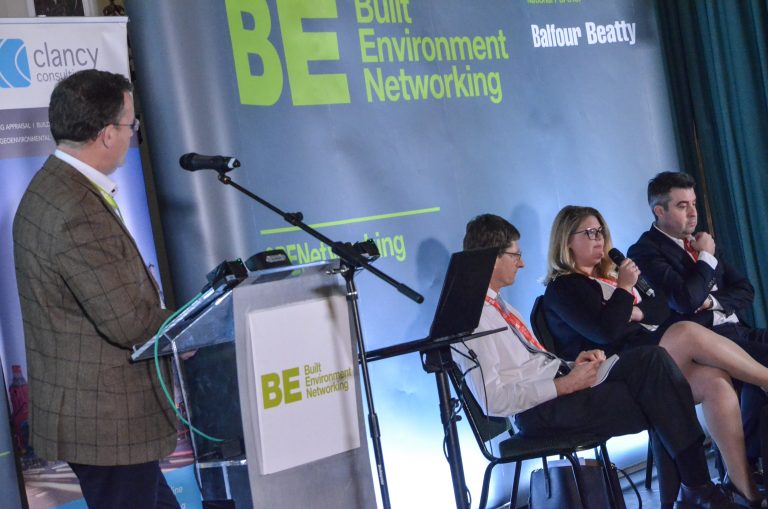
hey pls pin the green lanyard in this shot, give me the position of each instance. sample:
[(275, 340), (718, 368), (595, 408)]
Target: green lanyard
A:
[(109, 199)]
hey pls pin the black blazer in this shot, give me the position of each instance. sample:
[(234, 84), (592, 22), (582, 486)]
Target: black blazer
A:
[(685, 284), (580, 319)]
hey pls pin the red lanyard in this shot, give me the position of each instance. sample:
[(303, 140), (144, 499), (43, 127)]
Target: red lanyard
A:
[(613, 283), (515, 322)]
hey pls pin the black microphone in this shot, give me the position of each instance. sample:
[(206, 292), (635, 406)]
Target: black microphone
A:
[(642, 285), (194, 162)]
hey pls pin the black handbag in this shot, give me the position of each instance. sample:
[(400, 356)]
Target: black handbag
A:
[(559, 491)]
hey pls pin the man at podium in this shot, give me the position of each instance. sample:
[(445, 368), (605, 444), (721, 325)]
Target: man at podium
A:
[(86, 298)]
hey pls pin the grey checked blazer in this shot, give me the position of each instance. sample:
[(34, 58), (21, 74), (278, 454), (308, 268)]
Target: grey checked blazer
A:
[(86, 297)]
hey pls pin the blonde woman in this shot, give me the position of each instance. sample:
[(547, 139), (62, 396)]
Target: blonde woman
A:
[(590, 303)]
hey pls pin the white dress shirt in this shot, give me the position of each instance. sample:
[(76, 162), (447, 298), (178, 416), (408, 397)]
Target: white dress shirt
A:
[(510, 379), (105, 183)]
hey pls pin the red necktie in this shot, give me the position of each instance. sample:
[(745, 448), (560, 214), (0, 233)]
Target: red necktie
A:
[(689, 248), (515, 322)]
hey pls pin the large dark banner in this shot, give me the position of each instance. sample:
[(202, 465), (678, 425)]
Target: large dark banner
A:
[(399, 121)]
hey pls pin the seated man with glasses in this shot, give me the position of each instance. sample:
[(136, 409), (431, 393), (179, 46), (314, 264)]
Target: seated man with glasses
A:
[(590, 303), (511, 374)]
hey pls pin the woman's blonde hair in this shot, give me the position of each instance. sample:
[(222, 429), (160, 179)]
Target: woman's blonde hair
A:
[(560, 259)]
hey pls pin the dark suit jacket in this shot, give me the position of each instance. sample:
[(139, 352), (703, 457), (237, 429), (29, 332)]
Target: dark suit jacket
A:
[(580, 319), (684, 283), (86, 298)]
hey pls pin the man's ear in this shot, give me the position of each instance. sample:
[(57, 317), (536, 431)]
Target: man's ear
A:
[(107, 135), (657, 211)]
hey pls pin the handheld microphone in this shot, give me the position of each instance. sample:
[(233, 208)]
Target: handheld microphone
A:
[(194, 162), (642, 285)]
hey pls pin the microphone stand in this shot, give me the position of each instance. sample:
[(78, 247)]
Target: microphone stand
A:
[(351, 261)]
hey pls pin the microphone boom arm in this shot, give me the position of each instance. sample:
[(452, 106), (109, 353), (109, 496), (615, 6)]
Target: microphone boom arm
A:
[(341, 249)]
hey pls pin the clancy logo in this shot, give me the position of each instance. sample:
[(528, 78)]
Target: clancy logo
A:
[(14, 64)]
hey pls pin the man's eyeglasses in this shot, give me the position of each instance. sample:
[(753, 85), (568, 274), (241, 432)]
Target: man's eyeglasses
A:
[(592, 233), (518, 255), (133, 125)]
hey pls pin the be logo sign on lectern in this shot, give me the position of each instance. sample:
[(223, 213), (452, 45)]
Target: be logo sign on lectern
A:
[(298, 384)]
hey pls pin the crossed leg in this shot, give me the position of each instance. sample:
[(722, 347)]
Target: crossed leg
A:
[(708, 362)]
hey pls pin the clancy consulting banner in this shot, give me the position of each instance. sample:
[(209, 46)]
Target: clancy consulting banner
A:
[(35, 54)]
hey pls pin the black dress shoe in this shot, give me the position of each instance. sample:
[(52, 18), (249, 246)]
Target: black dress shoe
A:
[(706, 496)]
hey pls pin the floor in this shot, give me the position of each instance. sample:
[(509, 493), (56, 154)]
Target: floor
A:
[(650, 497)]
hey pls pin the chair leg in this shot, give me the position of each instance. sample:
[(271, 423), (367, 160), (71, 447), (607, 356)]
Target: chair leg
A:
[(614, 489), (764, 440), (579, 479), (649, 466), (515, 485), (719, 464), (486, 484), (547, 480)]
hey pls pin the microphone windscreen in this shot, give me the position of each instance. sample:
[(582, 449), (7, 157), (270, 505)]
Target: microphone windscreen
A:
[(185, 161), (616, 256)]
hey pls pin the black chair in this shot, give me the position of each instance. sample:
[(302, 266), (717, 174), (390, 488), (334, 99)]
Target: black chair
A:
[(516, 448), (539, 326)]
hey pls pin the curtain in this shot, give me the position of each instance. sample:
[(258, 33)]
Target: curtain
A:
[(716, 55)]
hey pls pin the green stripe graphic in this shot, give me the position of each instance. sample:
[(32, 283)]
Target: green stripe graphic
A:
[(354, 220)]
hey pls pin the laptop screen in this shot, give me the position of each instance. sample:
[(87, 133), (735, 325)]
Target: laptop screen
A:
[(463, 294)]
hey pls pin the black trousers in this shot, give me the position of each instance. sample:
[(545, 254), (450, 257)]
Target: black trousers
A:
[(645, 389), (125, 486), (753, 398)]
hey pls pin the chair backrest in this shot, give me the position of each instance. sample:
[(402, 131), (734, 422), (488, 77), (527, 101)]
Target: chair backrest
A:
[(484, 427), (539, 325)]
